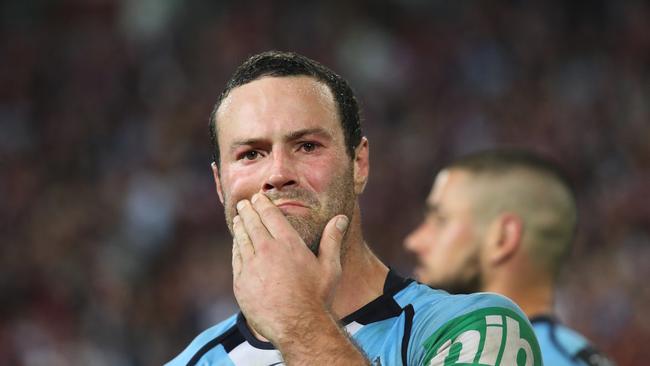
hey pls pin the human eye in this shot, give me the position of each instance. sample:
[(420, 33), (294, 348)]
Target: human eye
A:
[(249, 155), (440, 219), (436, 218), (309, 146)]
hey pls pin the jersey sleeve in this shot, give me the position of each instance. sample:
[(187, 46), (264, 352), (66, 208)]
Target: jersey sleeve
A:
[(202, 340), (479, 335), (576, 349)]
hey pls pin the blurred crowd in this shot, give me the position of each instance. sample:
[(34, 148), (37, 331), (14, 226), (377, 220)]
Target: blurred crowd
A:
[(113, 246)]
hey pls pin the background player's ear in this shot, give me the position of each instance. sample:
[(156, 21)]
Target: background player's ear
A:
[(217, 180), (507, 239)]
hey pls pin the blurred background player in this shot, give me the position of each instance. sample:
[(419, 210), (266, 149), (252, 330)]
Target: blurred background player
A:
[(503, 221)]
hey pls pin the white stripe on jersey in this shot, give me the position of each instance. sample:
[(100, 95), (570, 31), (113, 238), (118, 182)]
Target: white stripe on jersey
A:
[(245, 354), (353, 327)]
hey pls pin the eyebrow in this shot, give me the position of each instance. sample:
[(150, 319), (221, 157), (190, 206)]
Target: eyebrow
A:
[(292, 136), (296, 135)]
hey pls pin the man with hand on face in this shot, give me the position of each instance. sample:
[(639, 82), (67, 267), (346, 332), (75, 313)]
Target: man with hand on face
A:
[(290, 162), (503, 221)]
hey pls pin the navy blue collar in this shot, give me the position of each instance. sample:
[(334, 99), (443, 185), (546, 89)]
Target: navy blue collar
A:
[(381, 308)]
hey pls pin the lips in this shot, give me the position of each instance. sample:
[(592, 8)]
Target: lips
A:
[(289, 204)]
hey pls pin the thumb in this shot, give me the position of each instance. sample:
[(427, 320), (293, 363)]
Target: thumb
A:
[(330, 243)]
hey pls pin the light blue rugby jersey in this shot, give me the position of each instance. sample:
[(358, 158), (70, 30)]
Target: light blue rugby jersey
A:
[(561, 346), (409, 324)]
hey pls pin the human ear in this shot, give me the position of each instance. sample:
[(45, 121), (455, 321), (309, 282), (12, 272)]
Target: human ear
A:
[(217, 181), (361, 165), (506, 238)]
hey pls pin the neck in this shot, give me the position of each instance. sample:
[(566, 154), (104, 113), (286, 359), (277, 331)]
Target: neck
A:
[(533, 295), (363, 276)]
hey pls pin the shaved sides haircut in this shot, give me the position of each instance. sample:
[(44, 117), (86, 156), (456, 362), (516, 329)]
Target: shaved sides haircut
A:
[(532, 187)]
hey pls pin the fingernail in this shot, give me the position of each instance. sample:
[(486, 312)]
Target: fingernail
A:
[(241, 204), (256, 196), (342, 223), (235, 219)]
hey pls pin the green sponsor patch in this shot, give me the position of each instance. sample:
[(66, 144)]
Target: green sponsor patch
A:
[(487, 337)]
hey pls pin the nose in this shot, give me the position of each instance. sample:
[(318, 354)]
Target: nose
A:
[(413, 241), (409, 242), (281, 175)]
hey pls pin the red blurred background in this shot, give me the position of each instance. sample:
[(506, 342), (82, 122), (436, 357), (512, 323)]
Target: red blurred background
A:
[(113, 244)]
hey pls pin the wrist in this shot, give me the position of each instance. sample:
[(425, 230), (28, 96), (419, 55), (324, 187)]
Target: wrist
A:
[(305, 326), (316, 337)]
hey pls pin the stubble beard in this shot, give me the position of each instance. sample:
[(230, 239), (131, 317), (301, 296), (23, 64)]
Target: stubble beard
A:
[(468, 281), (339, 199)]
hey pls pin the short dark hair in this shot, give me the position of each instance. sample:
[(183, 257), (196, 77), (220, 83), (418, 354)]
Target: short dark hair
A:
[(280, 64)]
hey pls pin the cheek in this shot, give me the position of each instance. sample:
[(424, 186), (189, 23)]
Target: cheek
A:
[(317, 175), (454, 242), (238, 184), (458, 235)]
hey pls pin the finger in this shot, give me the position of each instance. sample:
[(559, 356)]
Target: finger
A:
[(236, 259), (272, 218), (330, 243), (252, 223), (244, 243)]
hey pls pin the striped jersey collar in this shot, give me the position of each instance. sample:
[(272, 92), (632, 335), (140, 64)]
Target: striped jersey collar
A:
[(381, 308)]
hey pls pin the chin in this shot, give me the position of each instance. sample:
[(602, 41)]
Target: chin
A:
[(309, 233)]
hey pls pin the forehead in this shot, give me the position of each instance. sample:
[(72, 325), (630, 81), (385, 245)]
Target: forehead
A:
[(451, 187), (273, 104)]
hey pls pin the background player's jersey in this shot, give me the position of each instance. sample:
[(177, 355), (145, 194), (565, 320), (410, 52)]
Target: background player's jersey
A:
[(409, 324), (562, 346)]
